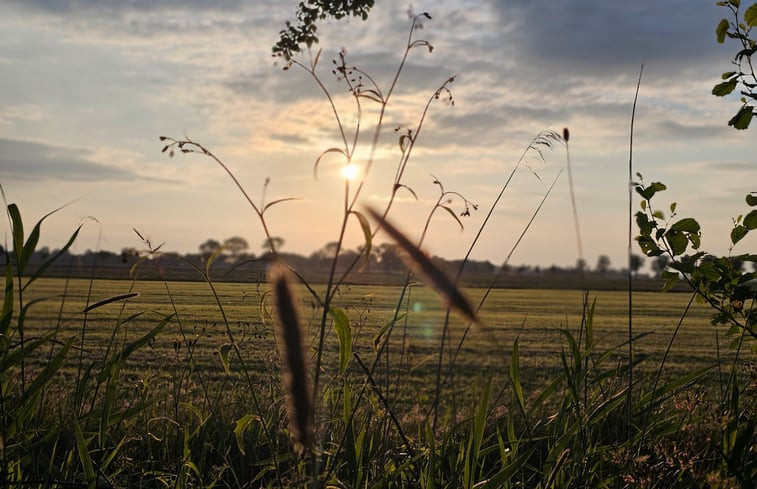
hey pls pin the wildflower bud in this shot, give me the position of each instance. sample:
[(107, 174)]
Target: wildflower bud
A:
[(565, 134)]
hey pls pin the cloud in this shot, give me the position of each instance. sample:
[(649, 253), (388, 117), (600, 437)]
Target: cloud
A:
[(34, 161), (79, 6), (606, 38)]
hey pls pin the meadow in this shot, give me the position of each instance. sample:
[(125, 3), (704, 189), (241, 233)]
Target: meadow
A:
[(534, 316), (160, 399), (286, 383)]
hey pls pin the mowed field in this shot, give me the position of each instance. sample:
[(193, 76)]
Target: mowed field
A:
[(206, 320)]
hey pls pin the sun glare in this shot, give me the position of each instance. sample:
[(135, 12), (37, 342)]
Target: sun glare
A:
[(350, 171)]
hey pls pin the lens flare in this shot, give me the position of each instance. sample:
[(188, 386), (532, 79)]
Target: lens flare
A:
[(350, 171)]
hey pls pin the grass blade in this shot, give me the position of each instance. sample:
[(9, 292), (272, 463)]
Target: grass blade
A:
[(84, 457), (344, 333)]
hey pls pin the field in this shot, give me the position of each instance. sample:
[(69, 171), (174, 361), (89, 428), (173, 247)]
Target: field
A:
[(536, 317), (183, 384), (407, 369)]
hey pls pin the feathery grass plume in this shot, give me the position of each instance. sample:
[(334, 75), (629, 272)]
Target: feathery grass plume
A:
[(295, 374), (417, 261)]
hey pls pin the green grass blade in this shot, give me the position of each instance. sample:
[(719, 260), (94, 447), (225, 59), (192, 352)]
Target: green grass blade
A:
[(139, 343), (41, 269), (344, 333), (84, 457), (367, 237), (7, 314), (479, 420), (241, 426), (515, 377), (18, 236)]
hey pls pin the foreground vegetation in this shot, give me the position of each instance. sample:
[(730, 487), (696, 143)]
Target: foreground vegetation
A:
[(147, 391), (288, 383)]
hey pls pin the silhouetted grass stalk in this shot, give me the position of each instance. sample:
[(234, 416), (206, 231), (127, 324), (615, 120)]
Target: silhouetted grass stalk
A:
[(629, 401)]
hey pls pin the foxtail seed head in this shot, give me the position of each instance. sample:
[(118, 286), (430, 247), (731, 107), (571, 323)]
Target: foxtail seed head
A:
[(296, 383)]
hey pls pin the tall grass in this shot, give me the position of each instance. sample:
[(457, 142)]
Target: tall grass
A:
[(325, 408)]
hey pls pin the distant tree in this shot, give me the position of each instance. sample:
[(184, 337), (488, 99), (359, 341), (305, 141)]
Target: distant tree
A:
[(274, 243), (209, 247), (659, 264), (636, 262), (603, 264), (328, 252), (581, 265), (236, 245), (390, 257), (373, 258), (44, 252), (128, 254)]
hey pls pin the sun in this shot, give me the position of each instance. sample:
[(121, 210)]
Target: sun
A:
[(350, 171)]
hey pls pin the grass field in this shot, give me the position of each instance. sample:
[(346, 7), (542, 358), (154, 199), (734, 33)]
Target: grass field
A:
[(180, 384), (536, 317)]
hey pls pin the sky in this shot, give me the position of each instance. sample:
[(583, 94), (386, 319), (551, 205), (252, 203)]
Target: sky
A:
[(87, 88)]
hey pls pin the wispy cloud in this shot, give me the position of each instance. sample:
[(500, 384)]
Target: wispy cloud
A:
[(29, 160)]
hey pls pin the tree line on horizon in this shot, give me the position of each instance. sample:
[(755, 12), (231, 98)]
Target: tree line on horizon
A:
[(385, 258)]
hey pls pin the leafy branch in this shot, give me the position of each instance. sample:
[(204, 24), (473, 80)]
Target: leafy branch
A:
[(743, 77), (718, 281)]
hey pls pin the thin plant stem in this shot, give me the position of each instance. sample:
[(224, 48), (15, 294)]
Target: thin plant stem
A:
[(629, 398)]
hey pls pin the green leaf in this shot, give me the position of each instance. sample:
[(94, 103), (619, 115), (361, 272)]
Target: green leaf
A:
[(241, 426), (721, 30), (367, 236), (84, 457), (648, 192), (479, 421), (742, 118), (41, 269), (669, 284), (735, 3), (671, 278), (677, 241), (224, 351), (728, 74), (515, 376), (42, 380), (646, 226), (142, 341), (687, 225), (738, 233), (750, 221), (724, 88), (750, 16), (18, 235), (708, 271), (751, 199), (695, 240), (648, 246), (385, 328), (344, 333)]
